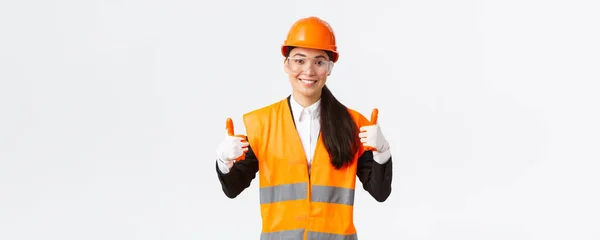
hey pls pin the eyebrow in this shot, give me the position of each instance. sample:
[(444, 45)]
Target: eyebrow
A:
[(299, 54), (302, 55)]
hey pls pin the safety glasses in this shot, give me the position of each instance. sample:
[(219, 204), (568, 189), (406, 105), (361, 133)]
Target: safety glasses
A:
[(302, 64)]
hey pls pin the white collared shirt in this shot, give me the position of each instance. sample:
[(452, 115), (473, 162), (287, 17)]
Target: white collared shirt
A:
[(308, 126)]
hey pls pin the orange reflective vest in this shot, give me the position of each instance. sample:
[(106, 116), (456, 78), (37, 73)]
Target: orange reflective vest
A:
[(294, 205)]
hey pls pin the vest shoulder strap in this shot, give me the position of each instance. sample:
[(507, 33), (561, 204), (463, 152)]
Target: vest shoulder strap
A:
[(359, 119), (256, 120)]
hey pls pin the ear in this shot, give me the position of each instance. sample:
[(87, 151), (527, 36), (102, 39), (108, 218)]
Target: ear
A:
[(330, 69), (285, 68)]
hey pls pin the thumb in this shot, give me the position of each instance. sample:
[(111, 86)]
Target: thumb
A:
[(374, 116), (229, 126)]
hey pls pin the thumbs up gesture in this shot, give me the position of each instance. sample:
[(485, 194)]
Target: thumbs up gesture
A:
[(233, 147), (371, 136)]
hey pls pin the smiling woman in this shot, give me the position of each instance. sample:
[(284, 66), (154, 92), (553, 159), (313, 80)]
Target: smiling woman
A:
[(308, 148), (308, 70)]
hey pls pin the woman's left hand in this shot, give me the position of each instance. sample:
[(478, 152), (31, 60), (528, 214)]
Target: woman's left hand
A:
[(371, 136), (372, 139)]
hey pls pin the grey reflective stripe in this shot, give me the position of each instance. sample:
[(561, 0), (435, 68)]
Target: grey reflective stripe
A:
[(332, 195), (297, 234), (295, 191), (330, 236)]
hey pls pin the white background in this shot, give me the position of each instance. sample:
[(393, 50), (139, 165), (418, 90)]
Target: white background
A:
[(111, 112)]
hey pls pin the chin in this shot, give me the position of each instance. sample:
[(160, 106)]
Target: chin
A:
[(309, 92)]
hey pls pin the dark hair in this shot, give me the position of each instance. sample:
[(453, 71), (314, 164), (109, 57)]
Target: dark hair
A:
[(338, 130)]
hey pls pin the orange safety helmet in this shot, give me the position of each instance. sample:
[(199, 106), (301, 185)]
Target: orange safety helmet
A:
[(311, 32)]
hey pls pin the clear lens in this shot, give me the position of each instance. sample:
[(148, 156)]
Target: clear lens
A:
[(301, 64)]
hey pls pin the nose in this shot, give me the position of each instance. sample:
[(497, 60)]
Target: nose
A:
[(310, 70)]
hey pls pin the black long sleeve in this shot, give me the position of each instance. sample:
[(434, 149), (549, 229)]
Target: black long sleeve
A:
[(376, 178), (239, 176)]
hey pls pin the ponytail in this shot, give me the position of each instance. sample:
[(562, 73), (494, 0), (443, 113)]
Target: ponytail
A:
[(339, 131)]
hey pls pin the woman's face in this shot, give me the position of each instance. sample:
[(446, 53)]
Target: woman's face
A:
[(308, 70)]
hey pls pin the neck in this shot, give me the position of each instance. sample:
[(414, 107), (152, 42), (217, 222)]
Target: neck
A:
[(306, 101)]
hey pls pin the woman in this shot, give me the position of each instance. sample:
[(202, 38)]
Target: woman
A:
[(308, 148)]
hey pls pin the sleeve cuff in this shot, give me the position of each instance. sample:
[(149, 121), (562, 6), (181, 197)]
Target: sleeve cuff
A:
[(382, 157), (224, 167)]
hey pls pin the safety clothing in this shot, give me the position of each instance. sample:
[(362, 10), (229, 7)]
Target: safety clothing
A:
[(293, 204), (311, 32)]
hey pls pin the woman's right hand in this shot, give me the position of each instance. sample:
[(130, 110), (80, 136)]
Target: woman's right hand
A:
[(232, 147)]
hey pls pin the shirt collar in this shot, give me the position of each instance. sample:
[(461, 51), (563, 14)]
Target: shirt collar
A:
[(300, 112)]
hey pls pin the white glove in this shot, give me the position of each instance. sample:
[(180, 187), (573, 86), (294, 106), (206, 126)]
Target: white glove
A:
[(229, 150), (371, 136)]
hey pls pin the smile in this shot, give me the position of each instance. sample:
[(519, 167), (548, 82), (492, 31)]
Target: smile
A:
[(307, 82)]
